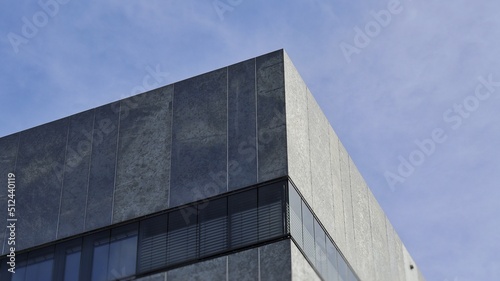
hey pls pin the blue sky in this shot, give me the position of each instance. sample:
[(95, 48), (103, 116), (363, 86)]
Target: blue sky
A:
[(412, 77)]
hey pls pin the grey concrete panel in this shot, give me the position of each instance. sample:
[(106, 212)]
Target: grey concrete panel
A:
[(379, 241), (399, 257), (350, 246), (8, 154), (338, 234), (275, 261), (156, 277), (244, 266), (271, 128), (199, 138), (39, 177), (411, 274), (143, 160), (364, 264), (301, 268), (102, 166), (76, 175), (394, 253), (320, 165), (242, 123), (214, 269), (297, 130)]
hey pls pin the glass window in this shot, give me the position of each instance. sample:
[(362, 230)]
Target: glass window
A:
[(243, 218), (308, 231), (332, 266), (213, 227), (320, 244), (295, 211), (182, 242), (122, 252), (40, 266), (153, 243), (342, 268), (72, 257), (100, 260), (21, 265), (270, 211)]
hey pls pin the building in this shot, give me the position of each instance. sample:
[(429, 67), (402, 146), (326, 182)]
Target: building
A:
[(234, 174)]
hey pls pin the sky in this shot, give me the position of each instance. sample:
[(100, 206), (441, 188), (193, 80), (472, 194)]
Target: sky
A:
[(412, 88)]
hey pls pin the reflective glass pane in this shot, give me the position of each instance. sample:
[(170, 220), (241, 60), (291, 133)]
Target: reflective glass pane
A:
[(332, 261), (153, 243), (308, 231), (295, 205), (243, 219), (270, 211), (122, 254), (182, 240), (320, 244), (20, 270), (40, 268), (342, 268), (72, 265), (100, 260), (213, 227)]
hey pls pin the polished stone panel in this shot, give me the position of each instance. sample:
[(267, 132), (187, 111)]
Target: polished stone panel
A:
[(271, 128), (199, 138), (275, 261), (362, 225), (8, 154), (102, 166), (76, 175), (244, 266), (39, 179), (297, 129), (242, 123), (214, 269), (143, 161), (321, 177)]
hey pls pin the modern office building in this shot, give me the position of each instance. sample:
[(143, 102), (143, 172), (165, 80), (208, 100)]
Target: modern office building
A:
[(235, 174)]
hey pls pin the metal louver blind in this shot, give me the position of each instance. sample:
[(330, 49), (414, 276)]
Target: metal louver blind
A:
[(270, 211), (213, 227), (243, 218), (182, 238), (153, 243)]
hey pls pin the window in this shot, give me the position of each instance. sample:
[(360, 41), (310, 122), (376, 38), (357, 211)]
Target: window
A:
[(308, 231), (153, 243), (182, 241), (67, 260), (270, 211), (295, 210), (320, 245), (122, 252), (243, 218), (342, 268), (331, 252), (213, 227)]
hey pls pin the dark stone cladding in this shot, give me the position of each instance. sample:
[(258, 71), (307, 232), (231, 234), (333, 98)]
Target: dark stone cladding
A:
[(194, 139)]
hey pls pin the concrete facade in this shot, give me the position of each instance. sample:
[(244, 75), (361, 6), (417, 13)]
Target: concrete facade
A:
[(230, 128)]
